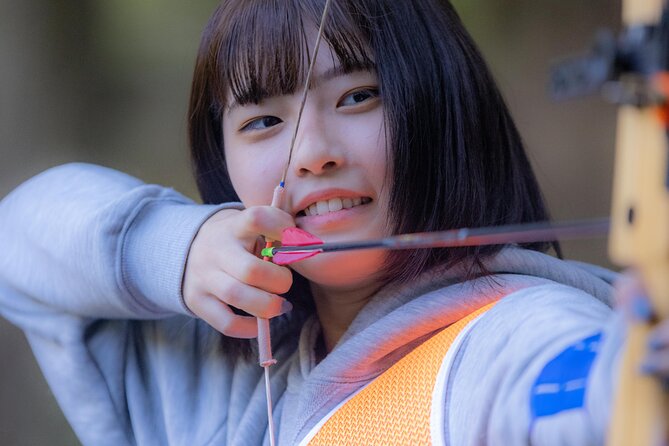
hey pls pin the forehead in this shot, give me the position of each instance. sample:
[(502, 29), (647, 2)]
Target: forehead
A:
[(263, 48)]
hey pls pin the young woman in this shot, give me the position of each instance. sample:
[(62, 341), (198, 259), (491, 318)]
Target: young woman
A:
[(137, 302)]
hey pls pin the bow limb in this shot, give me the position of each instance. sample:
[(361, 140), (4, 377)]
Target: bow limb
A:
[(640, 239)]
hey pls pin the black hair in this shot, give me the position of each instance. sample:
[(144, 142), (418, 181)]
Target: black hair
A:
[(455, 156)]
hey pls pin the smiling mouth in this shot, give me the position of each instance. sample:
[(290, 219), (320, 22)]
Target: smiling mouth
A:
[(332, 205)]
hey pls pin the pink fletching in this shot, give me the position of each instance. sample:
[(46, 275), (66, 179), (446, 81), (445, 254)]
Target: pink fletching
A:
[(298, 237), (286, 258)]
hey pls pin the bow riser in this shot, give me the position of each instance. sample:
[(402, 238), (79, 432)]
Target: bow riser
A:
[(640, 239)]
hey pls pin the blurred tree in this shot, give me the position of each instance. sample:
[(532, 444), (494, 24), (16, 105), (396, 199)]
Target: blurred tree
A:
[(95, 81)]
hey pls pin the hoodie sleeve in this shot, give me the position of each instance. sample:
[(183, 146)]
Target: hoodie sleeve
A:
[(91, 268), (90, 241), (539, 369)]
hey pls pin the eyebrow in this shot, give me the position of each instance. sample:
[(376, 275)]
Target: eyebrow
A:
[(331, 73), (317, 78)]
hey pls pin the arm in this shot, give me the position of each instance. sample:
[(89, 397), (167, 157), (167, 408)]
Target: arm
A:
[(86, 249), (90, 241), (82, 247), (537, 369)]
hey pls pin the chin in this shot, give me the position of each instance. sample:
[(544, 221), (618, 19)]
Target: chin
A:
[(343, 270)]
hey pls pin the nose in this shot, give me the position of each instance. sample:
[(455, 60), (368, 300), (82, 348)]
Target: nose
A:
[(317, 150)]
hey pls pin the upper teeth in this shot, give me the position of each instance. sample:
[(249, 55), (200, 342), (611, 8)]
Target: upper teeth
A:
[(333, 205)]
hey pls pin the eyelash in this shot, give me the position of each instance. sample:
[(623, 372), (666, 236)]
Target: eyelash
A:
[(249, 126), (372, 93)]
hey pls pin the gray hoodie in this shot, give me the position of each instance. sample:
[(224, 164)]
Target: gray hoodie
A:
[(91, 270)]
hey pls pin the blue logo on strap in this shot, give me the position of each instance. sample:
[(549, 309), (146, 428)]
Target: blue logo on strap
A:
[(562, 382)]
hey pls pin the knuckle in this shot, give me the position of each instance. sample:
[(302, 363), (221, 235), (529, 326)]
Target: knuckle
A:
[(225, 325), (231, 295), (194, 304), (224, 287), (286, 220), (254, 218), (284, 281), (190, 300), (252, 271)]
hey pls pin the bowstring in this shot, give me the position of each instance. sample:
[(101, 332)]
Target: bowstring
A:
[(305, 92), (282, 184)]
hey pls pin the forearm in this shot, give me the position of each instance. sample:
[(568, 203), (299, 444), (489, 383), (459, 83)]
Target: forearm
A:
[(94, 242)]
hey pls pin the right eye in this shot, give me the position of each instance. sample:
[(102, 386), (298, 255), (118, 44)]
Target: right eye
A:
[(262, 123)]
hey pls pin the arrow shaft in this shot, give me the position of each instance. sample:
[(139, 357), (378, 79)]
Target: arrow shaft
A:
[(519, 233)]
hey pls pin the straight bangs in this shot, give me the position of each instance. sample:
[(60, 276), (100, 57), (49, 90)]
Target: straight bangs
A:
[(263, 47)]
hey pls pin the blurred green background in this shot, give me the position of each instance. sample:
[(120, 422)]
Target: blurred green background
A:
[(107, 82)]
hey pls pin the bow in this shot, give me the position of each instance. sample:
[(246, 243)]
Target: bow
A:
[(640, 228), (637, 63)]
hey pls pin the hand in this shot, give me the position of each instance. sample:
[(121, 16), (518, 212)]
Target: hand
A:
[(223, 270), (633, 300)]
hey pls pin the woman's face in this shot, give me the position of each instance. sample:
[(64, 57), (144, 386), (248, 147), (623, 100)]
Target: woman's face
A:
[(336, 184)]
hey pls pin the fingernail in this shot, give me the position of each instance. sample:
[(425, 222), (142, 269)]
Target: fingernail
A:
[(641, 308), (286, 306), (647, 368), (655, 344)]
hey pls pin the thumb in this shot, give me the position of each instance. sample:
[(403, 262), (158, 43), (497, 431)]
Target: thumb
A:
[(632, 299)]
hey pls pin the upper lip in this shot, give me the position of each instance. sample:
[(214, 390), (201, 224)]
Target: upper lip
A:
[(323, 195)]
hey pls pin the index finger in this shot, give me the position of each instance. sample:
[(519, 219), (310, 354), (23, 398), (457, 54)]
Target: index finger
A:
[(264, 220)]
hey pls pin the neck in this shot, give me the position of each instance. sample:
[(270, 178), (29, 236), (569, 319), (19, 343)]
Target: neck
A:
[(336, 309)]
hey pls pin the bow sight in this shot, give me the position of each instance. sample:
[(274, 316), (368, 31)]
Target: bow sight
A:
[(622, 69)]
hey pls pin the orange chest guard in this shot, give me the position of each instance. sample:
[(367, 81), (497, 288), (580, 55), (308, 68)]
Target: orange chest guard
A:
[(403, 405)]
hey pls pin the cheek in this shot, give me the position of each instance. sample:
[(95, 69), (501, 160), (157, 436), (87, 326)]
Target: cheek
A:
[(376, 162), (254, 179), (367, 139), (343, 270), (253, 176)]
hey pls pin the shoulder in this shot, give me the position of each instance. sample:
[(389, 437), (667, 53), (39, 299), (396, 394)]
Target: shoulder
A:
[(546, 305), (508, 348), (533, 325)]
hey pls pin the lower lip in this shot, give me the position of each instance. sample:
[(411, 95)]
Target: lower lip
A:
[(331, 220)]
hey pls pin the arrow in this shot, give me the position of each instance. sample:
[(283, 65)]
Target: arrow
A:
[(297, 244)]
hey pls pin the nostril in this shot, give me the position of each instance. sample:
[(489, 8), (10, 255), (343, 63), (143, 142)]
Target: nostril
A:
[(318, 167)]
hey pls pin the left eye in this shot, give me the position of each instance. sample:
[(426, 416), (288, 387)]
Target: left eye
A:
[(358, 97), (261, 123)]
